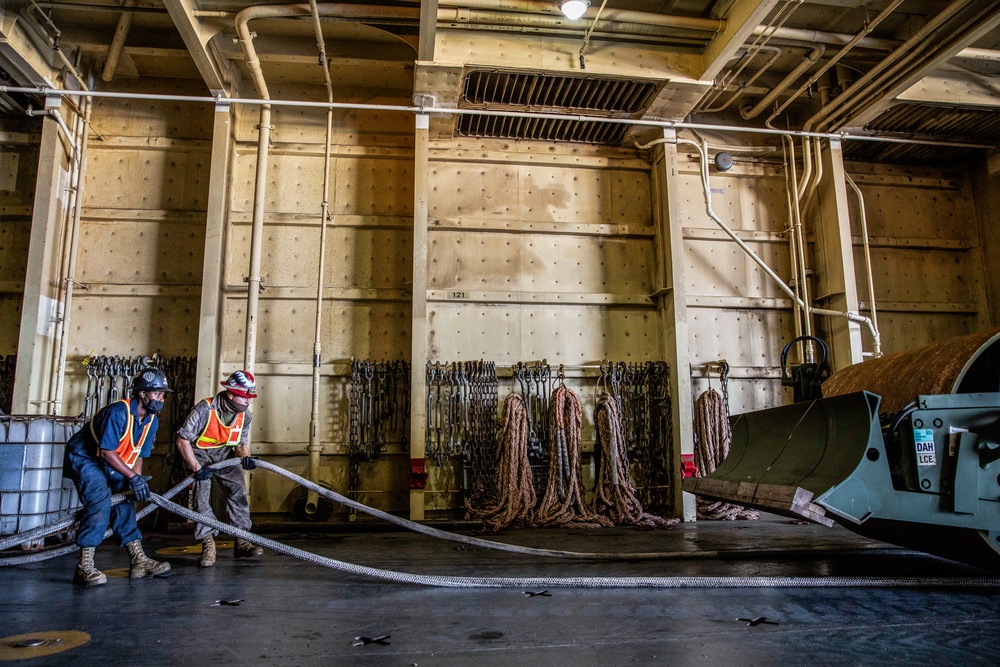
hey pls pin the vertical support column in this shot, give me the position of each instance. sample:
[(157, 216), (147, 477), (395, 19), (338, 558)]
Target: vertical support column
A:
[(673, 312), (418, 325), (836, 286), (41, 308), (212, 297), (986, 195)]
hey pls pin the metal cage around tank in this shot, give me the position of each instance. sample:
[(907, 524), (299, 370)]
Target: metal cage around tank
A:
[(32, 489)]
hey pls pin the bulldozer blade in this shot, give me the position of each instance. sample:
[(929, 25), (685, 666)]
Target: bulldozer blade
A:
[(783, 458)]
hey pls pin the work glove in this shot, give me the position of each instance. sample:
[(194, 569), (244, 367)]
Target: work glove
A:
[(248, 463), (203, 473), (140, 487)]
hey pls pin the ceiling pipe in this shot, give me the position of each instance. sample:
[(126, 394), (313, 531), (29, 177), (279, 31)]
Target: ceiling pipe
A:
[(776, 53), (118, 42), (860, 89), (791, 78), (446, 111), (836, 58)]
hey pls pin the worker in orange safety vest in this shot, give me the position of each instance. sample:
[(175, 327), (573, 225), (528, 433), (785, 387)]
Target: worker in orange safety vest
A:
[(105, 458), (217, 429)]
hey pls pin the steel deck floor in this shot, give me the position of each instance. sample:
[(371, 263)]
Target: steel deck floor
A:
[(296, 613)]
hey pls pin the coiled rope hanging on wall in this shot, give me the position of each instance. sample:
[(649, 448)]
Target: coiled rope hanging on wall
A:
[(563, 504), (516, 496), (615, 495), (713, 437)]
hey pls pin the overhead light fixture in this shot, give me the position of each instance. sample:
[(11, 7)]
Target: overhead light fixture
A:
[(574, 9)]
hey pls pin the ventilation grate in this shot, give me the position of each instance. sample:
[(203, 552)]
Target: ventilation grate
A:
[(541, 129), (535, 91), (968, 123), (926, 121)]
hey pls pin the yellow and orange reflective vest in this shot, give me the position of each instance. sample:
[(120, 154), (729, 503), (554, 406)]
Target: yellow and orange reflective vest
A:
[(128, 449), (216, 434)]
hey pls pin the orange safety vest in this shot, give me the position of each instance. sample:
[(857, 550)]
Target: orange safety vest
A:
[(216, 434), (127, 450)]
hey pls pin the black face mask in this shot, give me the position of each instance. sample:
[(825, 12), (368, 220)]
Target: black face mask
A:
[(153, 406), (233, 406)]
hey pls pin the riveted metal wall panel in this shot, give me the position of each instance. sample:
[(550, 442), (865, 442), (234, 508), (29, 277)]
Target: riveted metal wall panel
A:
[(540, 263), (571, 335), (168, 251), (356, 257), (153, 121), (174, 177), (735, 311), (352, 128), (142, 231), (360, 185), (362, 329), (564, 193), (927, 268), (717, 267), (134, 325), (750, 340)]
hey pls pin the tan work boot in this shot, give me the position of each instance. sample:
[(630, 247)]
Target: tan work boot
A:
[(244, 549), (142, 565), (86, 573), (207, 552)]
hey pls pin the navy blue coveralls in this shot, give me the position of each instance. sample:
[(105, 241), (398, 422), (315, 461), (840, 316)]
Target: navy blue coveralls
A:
[(96, 481)]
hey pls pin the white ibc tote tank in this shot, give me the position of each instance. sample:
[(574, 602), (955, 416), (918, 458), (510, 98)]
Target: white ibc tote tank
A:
[(32, 489)]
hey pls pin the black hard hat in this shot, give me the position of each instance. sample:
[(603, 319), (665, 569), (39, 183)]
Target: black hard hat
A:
[(150, 379)]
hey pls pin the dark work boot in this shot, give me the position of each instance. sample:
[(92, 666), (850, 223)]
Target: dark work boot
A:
[(244, 549)]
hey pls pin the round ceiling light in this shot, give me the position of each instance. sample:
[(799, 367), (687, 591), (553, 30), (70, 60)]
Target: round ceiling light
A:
[(574, 9)]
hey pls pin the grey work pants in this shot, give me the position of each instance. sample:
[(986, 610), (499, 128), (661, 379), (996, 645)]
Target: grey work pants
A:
[(232, 484)]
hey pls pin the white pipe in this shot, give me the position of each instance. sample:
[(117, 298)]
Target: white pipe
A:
[(707, 189), (56, 116), (315, 447), (800, 279), (260, 184), (817, 176), (867, 248), (793, 253), (669, 124)]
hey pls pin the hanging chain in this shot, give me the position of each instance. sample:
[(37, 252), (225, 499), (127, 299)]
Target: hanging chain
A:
[(641, 392), (379, 413)]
